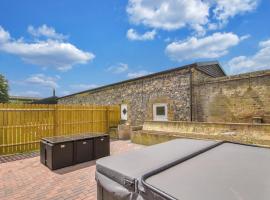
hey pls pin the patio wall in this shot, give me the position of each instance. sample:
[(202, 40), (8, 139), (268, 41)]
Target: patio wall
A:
[(155, 132)]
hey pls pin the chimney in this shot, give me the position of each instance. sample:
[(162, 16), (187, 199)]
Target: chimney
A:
[(53, 92)]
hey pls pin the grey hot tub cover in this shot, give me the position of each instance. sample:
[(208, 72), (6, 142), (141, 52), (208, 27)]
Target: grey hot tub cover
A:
[(127, 169)]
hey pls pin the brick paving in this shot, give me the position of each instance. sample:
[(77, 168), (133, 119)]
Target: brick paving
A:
[(9, 158), (26, 178)]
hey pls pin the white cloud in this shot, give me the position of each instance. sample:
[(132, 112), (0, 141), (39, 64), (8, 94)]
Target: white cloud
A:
[(79, 87), (65, 93), (46, 31), (32, 93), (42, 80), (168, 14), (138, 74), (133, 35), (118, 68), (244, 37), (264, 44), (46, 54), (4, 35), (168, 39), (198, 15), (259, 61), (212, 46), (213, 26), (225, 9), (122, 67)]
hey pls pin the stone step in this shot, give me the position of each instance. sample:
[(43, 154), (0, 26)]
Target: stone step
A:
[(113, 132)]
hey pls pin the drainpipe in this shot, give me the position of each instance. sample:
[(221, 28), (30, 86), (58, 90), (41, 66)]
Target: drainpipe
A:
[(191, 91), (142, 104)]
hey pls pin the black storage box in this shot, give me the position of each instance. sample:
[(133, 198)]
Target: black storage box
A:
[(101, 146), (83, 150), (43, 152), (59, 155), (62, 151)]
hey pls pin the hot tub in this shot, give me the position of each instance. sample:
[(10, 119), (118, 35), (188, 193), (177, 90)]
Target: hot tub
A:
[(186, 169), (119, 176), (227, 172)]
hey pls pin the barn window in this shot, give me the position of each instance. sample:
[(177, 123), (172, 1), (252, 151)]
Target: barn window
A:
[(160, 112)]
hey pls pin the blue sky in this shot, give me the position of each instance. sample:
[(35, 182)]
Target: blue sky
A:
[(73, 45)]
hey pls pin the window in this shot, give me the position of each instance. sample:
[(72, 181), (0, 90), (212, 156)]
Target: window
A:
[(160, 112), (124, 112)]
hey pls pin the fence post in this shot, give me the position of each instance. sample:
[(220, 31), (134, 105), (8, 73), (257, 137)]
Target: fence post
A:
[(108, 117), (55, 121), (1, 129)]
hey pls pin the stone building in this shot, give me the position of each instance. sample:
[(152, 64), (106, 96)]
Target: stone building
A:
[(22, 99), (195, 92)]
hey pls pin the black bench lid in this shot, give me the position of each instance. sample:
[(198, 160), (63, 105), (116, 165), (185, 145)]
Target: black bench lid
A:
[(67, 138)]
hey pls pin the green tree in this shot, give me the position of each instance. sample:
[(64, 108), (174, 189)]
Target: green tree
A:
[(3, 89)]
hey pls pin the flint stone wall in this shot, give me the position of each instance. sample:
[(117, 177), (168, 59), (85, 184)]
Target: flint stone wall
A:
[(236, 99), (172, 88)]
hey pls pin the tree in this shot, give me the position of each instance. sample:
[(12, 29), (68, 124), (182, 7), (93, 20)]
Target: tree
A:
[(3, 89)]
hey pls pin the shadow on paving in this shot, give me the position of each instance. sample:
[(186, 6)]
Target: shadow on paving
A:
[(15, 157), (73, 168)]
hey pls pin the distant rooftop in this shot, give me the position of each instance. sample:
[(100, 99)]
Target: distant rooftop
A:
[(23, 98), (48, 100)]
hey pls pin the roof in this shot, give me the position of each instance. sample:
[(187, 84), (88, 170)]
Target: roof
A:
[(212, 68), (24, 98), (48, 100)]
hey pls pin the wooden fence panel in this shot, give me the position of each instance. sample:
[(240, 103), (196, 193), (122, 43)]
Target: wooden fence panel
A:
[(23, 125)]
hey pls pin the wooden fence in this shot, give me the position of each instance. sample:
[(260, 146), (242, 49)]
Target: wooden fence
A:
[(22, 126)]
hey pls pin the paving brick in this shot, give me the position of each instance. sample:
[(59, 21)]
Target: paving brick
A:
[(24, 177)]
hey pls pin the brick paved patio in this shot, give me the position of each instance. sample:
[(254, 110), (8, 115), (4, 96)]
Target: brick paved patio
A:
[(28, 179)]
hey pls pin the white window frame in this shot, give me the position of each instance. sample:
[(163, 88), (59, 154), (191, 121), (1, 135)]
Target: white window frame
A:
[(124, 117), (160, 117)]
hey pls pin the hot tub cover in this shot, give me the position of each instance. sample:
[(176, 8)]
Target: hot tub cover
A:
[(226, 172), (128, 168)]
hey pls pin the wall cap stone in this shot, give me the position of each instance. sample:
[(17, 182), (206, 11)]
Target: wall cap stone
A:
[(236, 77), (208, 123)]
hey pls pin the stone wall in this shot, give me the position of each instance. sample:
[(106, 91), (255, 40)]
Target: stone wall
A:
[(155, 132), (236, 98), (172, 88)]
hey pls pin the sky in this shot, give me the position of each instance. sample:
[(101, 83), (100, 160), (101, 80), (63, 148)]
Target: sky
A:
[(74, 45)]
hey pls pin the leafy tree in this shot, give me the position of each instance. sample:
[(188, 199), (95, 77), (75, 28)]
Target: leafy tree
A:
[(3, 89)]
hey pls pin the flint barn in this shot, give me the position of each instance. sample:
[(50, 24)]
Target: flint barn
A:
[(195, 92)]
